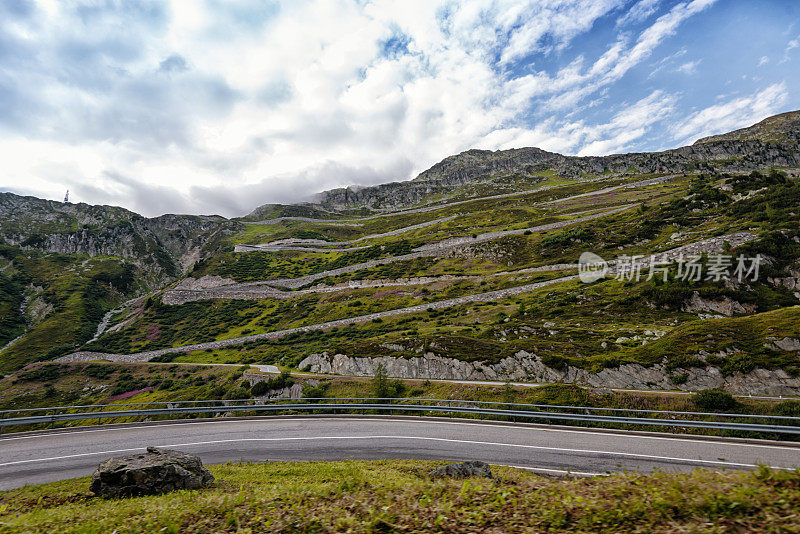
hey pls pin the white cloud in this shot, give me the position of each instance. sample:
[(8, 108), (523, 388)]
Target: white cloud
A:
[(689, 67), (640, 12), (628, 125), (763, 61), (733, 114), (219, 107), (791, 45)]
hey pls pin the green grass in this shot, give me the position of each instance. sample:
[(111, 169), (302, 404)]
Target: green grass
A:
[(399, 496), (79, 289)]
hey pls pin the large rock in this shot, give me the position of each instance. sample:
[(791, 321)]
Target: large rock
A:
[(463, 470), (154, 472), (726, 306)]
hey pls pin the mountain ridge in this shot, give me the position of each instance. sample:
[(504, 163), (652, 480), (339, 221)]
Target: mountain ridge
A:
[(770, 142)]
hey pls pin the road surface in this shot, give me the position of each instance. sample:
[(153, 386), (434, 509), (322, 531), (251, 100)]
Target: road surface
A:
[(61, 454)]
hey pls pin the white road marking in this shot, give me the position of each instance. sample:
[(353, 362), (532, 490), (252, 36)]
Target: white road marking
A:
[(418, 438), (78, 431)]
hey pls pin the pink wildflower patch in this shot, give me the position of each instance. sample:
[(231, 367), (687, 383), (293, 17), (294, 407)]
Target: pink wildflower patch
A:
[(129, 394), (387, 293), (152, 332)]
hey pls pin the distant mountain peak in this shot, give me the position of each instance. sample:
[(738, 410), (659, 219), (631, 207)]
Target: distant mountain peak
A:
[(783, 128)]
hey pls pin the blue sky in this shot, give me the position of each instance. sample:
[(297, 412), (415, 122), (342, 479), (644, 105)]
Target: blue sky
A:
[(217, 106)]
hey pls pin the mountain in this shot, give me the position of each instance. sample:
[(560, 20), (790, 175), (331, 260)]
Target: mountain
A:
[(466, 272), (771, 142), (167, 245), (64, 265)]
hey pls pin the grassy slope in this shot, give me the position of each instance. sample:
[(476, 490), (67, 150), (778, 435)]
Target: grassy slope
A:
[(398, 496), (79, 289)]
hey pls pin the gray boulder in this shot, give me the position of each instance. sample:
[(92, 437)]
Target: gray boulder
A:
[(463, 470), (154, 472)]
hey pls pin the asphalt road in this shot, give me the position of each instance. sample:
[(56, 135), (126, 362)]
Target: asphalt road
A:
[(62, 454)]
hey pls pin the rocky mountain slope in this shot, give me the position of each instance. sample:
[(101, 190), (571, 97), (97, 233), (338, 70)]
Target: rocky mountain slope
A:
[(63, 265), (471, 276), (168, 244)]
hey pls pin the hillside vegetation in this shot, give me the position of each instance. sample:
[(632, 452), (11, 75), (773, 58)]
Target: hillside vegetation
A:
[(472, 261)]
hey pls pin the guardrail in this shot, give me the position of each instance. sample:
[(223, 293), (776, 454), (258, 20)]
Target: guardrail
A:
[(578, 414)]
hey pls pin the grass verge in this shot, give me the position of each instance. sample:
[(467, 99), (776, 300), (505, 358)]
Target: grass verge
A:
[(398, 496)]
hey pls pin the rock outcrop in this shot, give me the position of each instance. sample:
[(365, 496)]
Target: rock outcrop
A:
[(725, 306), (526, 367), (154, 472), (788, 344)]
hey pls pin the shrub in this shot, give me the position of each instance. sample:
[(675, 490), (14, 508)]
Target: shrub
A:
[(788, 408), (216, 392), (48, 371), (283, 380), (554, 362), (679, 379), (740, 362), (316, 392), (98, 371), (562, 394), (260, 388), (714, 399), (237, 393)]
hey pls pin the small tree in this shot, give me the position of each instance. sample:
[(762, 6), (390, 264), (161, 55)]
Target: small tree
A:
[(380, 383)]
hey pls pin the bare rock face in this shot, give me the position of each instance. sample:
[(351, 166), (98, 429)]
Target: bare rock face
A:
[(463, 470), (154, 472), (524, 366), (726, 306)]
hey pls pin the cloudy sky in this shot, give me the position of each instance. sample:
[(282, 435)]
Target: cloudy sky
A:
[(218, 106)]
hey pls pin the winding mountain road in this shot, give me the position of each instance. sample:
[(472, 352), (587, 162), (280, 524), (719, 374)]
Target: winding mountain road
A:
[(61, 454), (432, 207)]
